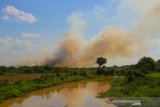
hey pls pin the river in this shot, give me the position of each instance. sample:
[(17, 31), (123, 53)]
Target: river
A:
[(74, 94)]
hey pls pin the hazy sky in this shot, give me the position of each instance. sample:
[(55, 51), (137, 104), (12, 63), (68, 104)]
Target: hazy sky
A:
[(32, 30)]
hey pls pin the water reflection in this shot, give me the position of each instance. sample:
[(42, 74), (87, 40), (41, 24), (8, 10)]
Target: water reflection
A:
[(76, 94)]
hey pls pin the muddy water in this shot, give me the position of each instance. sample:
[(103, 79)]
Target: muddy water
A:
[(75, 94)]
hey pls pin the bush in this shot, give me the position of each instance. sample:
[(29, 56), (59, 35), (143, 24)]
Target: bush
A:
[(100, 71), (45, 75), (57, 74), (130, 76), (143, 70), (83, 73), (75, 73), (133, 74), (1, 72), (111, 71), (158, 67)]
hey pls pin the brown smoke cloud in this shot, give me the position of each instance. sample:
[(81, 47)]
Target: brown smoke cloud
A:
[(75, 51), (149, 25), (112, 42)]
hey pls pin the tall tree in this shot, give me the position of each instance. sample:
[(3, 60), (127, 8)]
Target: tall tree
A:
[(100, 61)]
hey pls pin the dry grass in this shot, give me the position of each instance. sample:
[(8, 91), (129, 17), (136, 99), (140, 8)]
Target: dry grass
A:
[(14, 78)]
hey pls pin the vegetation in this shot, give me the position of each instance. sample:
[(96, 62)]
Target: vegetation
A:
[(100, 61), (41, 69), (140, 80), (146, 62), (9, 90), (14, 78)]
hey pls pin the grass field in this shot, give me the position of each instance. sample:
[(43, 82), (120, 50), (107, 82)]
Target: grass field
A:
[(154, 75), (14, 78)]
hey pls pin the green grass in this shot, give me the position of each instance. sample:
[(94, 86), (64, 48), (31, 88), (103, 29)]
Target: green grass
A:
[(146, 89), (154, 75), (147, 86)]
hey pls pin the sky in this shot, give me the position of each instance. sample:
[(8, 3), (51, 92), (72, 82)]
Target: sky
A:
[(37, 32)]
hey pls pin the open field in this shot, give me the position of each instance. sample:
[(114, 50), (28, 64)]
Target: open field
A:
[(154, 75), (14, 78)]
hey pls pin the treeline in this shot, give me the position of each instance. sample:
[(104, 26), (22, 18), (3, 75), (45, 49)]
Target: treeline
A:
[(144, 66), (41, 69)]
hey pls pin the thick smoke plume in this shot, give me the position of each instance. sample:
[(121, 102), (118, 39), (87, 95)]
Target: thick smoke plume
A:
[(111, 42), (75, 51)]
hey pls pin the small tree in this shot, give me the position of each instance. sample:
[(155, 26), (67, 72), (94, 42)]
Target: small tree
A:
[(100, 61)]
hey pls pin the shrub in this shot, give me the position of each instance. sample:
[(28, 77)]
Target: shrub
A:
[(57, 74), (130, 76), (133, 74), (143, 70), (100, 71), (83, 73)]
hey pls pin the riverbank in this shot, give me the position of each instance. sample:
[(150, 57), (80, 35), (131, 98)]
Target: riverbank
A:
[(19, 88), (72, 94), (147, 86)]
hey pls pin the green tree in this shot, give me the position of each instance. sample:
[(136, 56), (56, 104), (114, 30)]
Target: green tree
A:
[(146, 62), (158, 61), (100, 61)]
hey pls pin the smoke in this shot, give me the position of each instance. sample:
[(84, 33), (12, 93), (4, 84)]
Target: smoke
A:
[(112, 42), (149, 25), (68, 51), (75, 51)]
